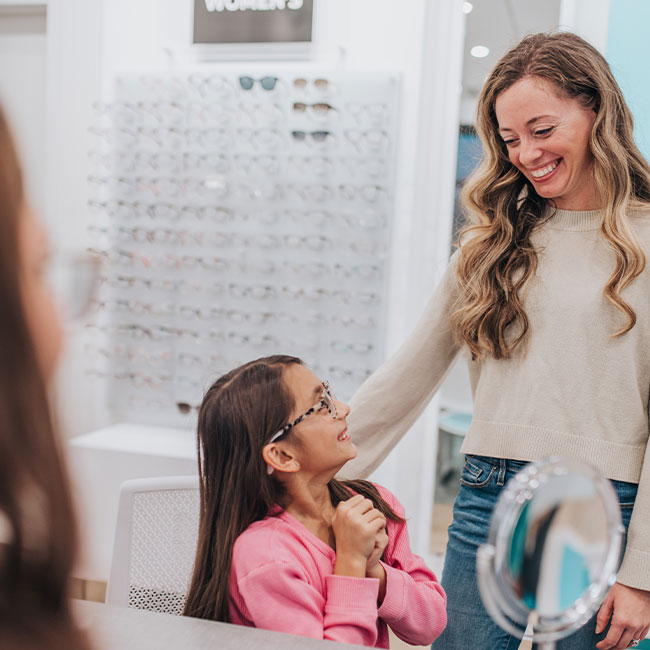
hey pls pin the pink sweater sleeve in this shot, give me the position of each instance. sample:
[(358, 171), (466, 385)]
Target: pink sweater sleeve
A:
[(415, 604), (278, 597)]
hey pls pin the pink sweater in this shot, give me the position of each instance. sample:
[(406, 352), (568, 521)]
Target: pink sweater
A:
[(282, 579)]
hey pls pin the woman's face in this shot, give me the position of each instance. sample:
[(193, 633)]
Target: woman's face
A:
[(323, 441), (40, 311), (547, 137)]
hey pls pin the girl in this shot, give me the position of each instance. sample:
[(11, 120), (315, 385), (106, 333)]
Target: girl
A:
[(282, 544)]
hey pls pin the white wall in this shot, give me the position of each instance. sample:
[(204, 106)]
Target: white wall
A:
[(587, 18), (23, 83)]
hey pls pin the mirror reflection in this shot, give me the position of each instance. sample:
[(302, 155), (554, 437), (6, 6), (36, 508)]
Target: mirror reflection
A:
[(558, 545), (553, 549)]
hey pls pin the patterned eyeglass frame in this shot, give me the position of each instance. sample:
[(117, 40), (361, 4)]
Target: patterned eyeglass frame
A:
[(326, 401)]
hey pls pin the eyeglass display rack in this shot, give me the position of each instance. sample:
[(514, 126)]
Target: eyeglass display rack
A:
[(238, 216)]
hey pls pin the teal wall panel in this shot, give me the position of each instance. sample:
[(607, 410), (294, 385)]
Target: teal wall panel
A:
[(628, 53)]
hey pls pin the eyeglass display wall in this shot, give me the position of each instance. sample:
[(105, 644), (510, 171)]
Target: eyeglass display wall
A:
[(239, 216)]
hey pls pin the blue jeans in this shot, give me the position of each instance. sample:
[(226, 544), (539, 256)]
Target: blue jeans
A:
[(469, 625)]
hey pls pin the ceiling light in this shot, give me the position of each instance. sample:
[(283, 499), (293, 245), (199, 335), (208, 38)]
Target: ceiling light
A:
[(479, 51), (467, 7)]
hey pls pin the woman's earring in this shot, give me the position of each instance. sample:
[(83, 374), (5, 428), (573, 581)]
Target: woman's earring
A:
[(269, 470)]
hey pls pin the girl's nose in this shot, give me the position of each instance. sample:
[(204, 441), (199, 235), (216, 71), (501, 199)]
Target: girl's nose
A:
[(342, 410)]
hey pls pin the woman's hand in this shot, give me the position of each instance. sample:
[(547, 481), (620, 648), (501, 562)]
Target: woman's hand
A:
[(356, 524), (629, 610)]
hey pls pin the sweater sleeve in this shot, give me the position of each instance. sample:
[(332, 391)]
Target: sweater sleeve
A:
[(392, 399), (278, 597), (635, 569), (415, 603)]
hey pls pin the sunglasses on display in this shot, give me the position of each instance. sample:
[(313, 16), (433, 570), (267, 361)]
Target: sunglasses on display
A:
[(212, 85), (316, 136), (319, 108), (301, 83), (129, 353), (267, 83), (186, 408), (135, 379)]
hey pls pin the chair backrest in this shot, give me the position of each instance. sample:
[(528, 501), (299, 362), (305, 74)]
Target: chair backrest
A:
[(155, 543)]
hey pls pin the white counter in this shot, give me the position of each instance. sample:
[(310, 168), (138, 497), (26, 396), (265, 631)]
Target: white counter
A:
[(117, 628)]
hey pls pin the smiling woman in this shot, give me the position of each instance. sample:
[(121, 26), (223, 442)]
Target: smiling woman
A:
[(547, 136), (547, 297)]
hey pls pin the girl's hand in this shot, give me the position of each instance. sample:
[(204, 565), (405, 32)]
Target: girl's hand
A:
[(629, 610), (381, 541), (373, 568), (355, 525)]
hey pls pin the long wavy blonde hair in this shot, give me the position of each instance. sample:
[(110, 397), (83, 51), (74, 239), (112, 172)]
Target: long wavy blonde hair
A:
[(497, 259)]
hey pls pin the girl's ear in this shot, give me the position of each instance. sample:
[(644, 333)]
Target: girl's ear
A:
[(277, 457)]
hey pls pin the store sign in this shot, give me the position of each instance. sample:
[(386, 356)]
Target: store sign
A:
[(253, 21)]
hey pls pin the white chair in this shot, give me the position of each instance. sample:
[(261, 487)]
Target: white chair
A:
[(155, 543)]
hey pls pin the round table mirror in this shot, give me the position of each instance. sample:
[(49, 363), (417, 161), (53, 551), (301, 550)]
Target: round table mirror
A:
[(552, 552)]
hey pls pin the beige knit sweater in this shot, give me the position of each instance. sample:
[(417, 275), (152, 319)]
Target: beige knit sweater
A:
[(575, 391)]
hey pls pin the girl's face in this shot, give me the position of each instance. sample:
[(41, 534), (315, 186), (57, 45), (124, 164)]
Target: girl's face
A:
[(323, 443), (547, 137), (40, 311)]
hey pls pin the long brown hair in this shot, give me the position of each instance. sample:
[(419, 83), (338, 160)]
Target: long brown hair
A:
[(497, 259), (239, 413), (37, 531)]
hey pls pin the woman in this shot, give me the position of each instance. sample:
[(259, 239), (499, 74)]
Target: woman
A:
[(547, 297), (37, 539), (306, 554)]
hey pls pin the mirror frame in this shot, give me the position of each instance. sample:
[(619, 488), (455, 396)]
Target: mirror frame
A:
[(505, 608)]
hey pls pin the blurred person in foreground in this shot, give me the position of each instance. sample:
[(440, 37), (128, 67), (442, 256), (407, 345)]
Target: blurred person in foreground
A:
[(37, 527)]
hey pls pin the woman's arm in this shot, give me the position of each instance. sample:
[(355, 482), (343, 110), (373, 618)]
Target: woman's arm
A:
[(278, 597), (635, 568), (414, 605), (391, 400), (627, 605)]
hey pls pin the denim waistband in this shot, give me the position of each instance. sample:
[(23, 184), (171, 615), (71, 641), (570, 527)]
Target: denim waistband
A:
[(626, 491), (500, 461), (502, 465)]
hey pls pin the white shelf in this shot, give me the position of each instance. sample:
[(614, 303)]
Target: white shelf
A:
[(139, 439)]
